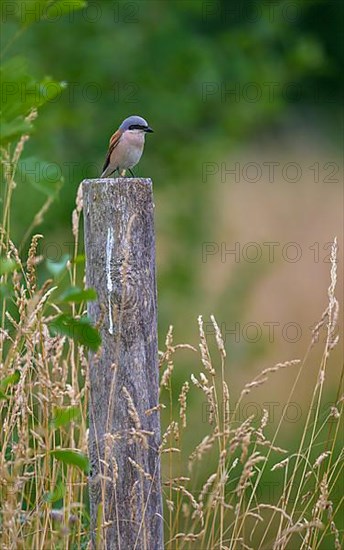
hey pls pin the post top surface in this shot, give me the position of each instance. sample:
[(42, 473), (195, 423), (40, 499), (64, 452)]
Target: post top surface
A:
[(142, 181)]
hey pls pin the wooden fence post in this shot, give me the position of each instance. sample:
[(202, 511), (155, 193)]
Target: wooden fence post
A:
[(124, 434)]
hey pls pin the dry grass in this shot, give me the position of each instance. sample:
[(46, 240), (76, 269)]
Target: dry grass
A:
[(43, 401), (43, 408), (227, 510), (215, 496)]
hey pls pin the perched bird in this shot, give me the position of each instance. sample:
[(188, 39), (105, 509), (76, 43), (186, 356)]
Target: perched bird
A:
[(126, 146)]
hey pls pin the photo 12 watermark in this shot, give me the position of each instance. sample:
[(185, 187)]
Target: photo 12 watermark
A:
[(291, 412), (90, 11), (271, 172), (253, 11), (252, 332), (252, 92), (71, 91), (268, 252)]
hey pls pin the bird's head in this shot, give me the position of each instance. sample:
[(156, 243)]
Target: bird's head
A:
[(135, 124)]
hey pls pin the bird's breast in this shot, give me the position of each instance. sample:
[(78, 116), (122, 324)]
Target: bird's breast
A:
[(129, 150), (135, 139)]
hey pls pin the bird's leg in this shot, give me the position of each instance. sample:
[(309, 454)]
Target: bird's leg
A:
[(131, 173)]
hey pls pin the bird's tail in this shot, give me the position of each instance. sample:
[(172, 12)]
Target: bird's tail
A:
[(107, 172)]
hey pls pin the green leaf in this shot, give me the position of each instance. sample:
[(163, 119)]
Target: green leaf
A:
[(73, 458), (10, 380), (76, 295), (63, 416), (79, 330), (56, 494), (56, 268), (7, 265), (43, 176)]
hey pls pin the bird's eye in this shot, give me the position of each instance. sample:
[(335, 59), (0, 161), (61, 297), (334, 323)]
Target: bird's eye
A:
[(136, 127)]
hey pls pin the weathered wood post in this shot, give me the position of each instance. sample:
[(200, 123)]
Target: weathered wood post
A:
[(124, 434)]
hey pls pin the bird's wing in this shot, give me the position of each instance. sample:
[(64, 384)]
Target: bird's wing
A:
[(112, 144)]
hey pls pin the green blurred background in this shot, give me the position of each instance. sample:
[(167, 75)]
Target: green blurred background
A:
[(244, 98)]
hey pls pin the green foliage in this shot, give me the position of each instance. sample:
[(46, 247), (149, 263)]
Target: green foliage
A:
[(76, 295), (8, 381), (57, 268), (72, 458), (57, 493), (63, 416), (79, 330), (21, 93), (7, 265)]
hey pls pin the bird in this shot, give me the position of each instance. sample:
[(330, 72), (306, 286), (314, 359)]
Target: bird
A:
[(126, 146)]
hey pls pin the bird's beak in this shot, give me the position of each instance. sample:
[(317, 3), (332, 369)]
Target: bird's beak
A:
[(149, 130)]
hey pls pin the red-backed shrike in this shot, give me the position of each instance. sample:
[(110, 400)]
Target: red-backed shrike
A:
[(126, 146)]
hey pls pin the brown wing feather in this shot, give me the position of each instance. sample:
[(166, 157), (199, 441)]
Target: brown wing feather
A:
[(112, 144)]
